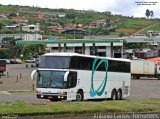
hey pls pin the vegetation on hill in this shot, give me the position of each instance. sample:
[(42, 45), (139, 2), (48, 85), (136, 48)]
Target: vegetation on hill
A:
[(116, 25), (128, 25)]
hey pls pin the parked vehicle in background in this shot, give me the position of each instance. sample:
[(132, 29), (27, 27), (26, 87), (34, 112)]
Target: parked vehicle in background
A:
[(156, 59), (30, 60), (7, 61), (37, 62), (15, 61), (12, 61), (145, 55), (18, 61), (2, 66), (143, 68)]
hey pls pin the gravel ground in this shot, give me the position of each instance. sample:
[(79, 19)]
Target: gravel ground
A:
[(149, 88), (11, 82), (139, 88)]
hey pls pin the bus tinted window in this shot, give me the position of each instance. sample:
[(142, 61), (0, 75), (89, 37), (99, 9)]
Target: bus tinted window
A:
[(81, 63), (56, 62), (118, 66), (101, 66), (85, 63)]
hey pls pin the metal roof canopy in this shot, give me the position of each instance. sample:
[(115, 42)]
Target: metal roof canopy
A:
[(71, 41)]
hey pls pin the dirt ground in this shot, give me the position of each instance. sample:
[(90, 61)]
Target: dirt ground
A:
[(17, 77)]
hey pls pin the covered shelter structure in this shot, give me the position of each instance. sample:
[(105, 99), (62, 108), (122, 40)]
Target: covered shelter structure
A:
[(101, 47)]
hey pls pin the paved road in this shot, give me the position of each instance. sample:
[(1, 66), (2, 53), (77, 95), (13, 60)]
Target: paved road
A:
[(139, 88), (145, 89)]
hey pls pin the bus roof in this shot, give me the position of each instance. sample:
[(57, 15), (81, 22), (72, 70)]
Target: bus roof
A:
[(82, 55)]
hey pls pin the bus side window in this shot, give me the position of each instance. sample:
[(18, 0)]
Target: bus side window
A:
[(72, 80), (81, 63), (73, 63)]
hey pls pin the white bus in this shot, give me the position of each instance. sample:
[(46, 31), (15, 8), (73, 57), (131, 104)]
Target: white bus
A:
[(72, 76)]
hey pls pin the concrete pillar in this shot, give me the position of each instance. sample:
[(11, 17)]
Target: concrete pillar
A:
[(94, 49), (50, 49), (73, 49), (122, 51), (83, 48), (59, 47), (112, 55), (65, 48), (108, 51), (87, 50)]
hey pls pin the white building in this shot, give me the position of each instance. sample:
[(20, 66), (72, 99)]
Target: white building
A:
[(25, 37), (109, 49), (31, 28), (143, 38), (112, 47), (61, 15)]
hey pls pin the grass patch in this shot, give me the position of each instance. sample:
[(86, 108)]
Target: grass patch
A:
[(2, 80), (85, 107), (136, 24)]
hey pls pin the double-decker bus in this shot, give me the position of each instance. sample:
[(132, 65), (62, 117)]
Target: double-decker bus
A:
[(72, 76)]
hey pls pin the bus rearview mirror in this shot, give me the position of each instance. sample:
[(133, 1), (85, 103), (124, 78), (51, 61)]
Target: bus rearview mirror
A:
[(34, 75)]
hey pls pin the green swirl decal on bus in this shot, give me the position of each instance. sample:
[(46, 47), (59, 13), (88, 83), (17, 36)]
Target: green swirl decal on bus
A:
[(101, 88)]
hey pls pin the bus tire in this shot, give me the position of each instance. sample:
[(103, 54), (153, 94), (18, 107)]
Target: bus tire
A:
[(79, 95), (114, 94), (119, 94), (51, 100)]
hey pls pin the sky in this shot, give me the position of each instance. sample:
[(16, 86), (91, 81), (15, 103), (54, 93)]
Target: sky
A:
[(135, 8)]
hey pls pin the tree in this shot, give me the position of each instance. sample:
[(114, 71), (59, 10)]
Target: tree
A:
[(151, 13), (14, 50), (10, 41), (71, 15), (121, 34), (147, 13), (3, 55), (33, 50), (1, 25), (12, 15)]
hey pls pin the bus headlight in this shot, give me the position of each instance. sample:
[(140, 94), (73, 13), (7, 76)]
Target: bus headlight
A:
[(62, 93), (38, 91)]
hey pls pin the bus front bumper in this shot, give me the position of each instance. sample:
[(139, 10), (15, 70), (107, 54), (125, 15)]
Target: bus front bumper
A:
[(55, 96)]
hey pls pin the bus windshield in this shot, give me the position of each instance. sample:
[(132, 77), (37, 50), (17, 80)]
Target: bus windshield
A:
[(56, 62), (50, 79)]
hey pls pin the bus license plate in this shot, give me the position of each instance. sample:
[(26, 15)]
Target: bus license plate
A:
[(49, 97)]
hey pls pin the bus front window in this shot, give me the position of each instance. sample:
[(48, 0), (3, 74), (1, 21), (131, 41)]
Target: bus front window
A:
[(50, 79), (56, 62), (57, 80)]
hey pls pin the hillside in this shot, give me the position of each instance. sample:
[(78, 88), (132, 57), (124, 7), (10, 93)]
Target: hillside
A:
[(76, 18)]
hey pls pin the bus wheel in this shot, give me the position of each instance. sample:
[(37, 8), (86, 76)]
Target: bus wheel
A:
[(119, 94), (79, 95), (114, 95)]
